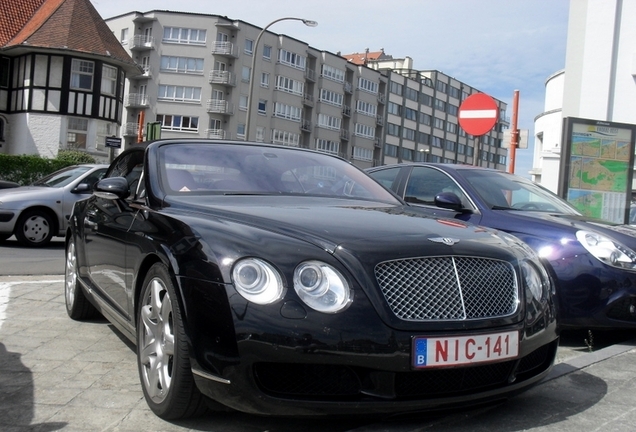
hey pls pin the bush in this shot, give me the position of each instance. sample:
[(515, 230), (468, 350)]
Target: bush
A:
[(25, 169)]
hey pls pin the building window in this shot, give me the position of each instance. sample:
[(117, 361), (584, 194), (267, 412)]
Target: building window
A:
[(285, 138), (452, 109), (326, 146), (330, 97), (333, 74), (391, 150), (395, 109), (243, 103), (363, 154), (439, 123), (451, 127), (187, 65), (392, 129), (178, 123), (288, 112), (82, 74), (260, 134), (442, 86), (366, 108), (411, 94), (408, 134), (289, 85), (249, 47), (454, 92), (4, 72), (265, 80), (426, 100), (396, 88), (77, 133), (440, 105), (407, 154), (184, 36), (411, 114), (292, 59), (245, 74), (368, 85), (329, 122), (364, 131), (179, 93), (240, 130), (262, 107), (109, 80), (436, 141), (267, 52), (423, 138), (123, 36)]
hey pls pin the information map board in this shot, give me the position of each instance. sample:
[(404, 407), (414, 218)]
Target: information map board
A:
[(597, 167)]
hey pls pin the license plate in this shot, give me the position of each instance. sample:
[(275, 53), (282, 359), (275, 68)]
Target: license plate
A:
[(462, 350)]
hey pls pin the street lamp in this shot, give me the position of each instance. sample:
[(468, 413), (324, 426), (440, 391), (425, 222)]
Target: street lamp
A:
[(308, 23)]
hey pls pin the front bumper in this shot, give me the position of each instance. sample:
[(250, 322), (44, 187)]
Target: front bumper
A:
[(266, 360)]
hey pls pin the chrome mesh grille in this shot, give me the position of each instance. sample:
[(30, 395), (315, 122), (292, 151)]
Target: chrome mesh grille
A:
[(448, 288)]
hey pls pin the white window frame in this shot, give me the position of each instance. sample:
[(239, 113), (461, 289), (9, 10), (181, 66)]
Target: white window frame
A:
[(174, 93), (331, 97), (285, 138), (368, 85), (288, 112), (82, 71), (329, 122), (292, 59), (109, 80), (328, 146), (362, 154), (366, 108), (186, 36), (289, 85), (178, 123), (333, 73), (364, 131), (184, 65)]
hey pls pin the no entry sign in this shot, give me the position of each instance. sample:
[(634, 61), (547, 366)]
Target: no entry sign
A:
[(478, 114)]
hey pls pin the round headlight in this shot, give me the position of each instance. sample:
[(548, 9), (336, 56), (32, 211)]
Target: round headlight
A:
[(321, 287), (257, 281)]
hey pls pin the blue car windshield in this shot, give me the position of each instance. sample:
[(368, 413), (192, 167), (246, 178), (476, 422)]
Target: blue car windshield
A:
[(61, 178), (503, 191), (243, 169)]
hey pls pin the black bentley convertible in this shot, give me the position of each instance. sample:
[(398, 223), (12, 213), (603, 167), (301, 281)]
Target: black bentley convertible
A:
[(283, 281)]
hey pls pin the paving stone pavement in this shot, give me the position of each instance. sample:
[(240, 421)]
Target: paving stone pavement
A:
[(58, 374)]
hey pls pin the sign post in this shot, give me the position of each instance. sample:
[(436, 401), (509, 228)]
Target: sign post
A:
[(477, 115)]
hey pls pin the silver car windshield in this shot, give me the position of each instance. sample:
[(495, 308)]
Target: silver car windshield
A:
[(61, 178), (238, 169), (502, 191)]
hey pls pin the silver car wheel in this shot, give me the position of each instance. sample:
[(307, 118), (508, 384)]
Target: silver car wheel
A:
[(36, 228), (156, 351), (71, 275)]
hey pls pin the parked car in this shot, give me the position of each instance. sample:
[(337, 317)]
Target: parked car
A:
[(37, 213), (283, 281), (594, 261)]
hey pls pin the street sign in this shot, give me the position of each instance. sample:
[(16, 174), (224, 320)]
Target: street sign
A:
[(113, 142), (478, 114)]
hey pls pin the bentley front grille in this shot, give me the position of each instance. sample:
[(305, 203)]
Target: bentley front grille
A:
[(448, 288)]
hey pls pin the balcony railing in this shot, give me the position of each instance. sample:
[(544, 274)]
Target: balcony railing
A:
[(222, 77), (130, 129), (219, 106), (133, 100), (348, 87), (215, 133), (381, 98), (308, 100), (377, 143), (379, 121), (310, 75), (346, 110), (305, 125), (344, 135), (141, 42), (224, 49)]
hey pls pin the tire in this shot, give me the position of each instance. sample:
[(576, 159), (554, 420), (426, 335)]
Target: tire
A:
[(4, 236), (34, 228), (77, 305), (162, 351)]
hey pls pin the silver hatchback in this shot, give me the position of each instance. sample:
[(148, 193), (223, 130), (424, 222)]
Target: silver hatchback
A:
[(36, 213)]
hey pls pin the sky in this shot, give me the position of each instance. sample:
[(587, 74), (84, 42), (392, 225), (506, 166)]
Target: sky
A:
[(495, 46)]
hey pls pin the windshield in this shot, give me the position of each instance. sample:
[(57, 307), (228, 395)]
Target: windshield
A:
[(503, 191), (241, 169), (61, 178)]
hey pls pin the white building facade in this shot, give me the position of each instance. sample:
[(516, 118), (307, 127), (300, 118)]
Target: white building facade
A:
[(598, 83)]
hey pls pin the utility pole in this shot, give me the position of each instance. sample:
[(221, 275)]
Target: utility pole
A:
[(514, 133)]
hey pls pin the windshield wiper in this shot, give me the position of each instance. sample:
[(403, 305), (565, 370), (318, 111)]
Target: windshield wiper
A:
[(496, 207)]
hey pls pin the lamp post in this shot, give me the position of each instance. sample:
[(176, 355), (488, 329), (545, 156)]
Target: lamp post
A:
[(250, 93)]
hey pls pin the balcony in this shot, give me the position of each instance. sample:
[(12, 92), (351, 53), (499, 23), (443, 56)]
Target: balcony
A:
[(377, 143), (219, 106), (348, 87), (379, 121), (310, 75), (381, 98), (344, 135), (222, 77), (224, 49), (305, 125), (130, 129), (141, 42), (136, 100), (308, 100), (215, 133), (146, 74), (346, 111)]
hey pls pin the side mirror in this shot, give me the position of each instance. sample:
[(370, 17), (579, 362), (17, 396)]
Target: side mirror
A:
[(82, 188), (448, 200), (112, 188)]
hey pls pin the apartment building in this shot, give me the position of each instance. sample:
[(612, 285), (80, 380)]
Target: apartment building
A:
[(197, 79), (422, 116)]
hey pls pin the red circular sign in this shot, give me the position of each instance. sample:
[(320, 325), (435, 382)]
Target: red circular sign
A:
[(478, 114)]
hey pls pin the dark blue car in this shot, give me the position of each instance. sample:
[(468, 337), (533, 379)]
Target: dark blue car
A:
[(594, 261)]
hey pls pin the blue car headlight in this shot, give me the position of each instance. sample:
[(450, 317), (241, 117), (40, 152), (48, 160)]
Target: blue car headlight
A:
[(322, 287), (606, 250), (536, 280)]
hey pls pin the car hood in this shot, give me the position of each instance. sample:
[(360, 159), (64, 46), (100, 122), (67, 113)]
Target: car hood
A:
[(555, 224), (333, 223)]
